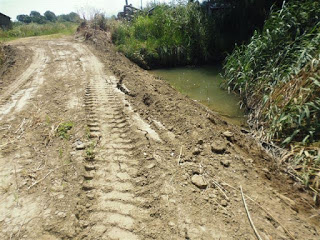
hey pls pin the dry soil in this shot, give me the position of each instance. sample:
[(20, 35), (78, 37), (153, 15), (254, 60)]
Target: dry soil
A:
[(93, 147)]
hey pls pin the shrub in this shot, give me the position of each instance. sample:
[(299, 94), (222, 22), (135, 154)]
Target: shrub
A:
[(278, 77)]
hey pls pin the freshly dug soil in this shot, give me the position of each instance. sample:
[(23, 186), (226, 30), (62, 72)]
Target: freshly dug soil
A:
[(94, 147)]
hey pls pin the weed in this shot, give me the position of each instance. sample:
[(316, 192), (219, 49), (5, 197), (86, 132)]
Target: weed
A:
[(90, 150), (60, 153), (63, 129)]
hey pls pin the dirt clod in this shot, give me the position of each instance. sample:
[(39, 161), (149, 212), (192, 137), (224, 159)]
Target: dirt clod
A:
[(199, 181), (225, 162), (218, 147)]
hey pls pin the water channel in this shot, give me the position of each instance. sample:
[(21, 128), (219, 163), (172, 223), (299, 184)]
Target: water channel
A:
[(203, 84)]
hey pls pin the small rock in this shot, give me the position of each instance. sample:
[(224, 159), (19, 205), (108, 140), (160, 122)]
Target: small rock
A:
[(171, 224), (218, 147), (224, 203), (228, 135), (61, 214), (84, 224), (187, 221), (90, 196), (200, 141), (196, 151), (152, 165), (225, 162), (80, 146), (211, 195), (198, 181)]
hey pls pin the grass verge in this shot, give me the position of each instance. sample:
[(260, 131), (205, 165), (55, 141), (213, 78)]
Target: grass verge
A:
[(34, 29)]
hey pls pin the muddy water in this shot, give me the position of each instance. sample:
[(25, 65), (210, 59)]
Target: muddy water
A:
[(203, 84)]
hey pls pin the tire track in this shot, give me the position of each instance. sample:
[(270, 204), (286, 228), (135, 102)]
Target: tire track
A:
[(15, 98), (109, 172)]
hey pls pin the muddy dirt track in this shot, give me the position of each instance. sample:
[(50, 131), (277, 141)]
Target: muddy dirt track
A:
[(93, 147)]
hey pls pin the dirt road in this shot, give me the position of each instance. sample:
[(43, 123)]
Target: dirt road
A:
[(93, 147)]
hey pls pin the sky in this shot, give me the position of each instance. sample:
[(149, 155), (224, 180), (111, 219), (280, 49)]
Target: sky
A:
[(12, 8)]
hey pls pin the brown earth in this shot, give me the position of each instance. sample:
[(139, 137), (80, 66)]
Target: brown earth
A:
[(93, 147)]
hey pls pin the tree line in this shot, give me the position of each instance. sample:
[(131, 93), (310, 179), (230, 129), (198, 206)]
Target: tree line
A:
[(48, 16)]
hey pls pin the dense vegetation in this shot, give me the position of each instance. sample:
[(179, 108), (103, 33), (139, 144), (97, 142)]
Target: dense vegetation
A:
[(35, 29), (36, 25), (188, 32), (48, 16), (278, 77)]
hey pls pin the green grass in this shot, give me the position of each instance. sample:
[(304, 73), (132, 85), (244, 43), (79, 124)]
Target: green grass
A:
[(34, 29), (278, 77)]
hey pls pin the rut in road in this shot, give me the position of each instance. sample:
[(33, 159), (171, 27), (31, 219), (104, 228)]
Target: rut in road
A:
[(108, 177), (17, 92)]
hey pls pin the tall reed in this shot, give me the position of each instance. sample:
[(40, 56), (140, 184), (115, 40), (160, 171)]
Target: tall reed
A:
[(278, 77)]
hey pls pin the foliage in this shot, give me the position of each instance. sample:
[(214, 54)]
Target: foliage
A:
[(20, 30), (71, 17), (278, 76), (99, 22), (36, 17), (170, 36), (24, 18), (188, 32), (50, 16), (63, 130)]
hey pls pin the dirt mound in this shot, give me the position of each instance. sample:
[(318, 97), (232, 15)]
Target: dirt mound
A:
[(15, 60), (93, 147), (201, 149)]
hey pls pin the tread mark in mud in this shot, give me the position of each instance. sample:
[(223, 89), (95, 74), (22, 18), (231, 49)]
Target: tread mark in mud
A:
[(109, 172)]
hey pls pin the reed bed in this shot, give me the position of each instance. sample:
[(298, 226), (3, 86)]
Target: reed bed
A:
[(278, 77)]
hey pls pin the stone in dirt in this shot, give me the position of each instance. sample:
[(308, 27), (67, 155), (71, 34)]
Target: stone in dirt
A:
[(224, 203), (80, 146), (199, 181), (229, 135), (196, 151), (225, 162), (218, 147)]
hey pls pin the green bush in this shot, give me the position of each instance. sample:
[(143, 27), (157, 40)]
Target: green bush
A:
[(278, 77)]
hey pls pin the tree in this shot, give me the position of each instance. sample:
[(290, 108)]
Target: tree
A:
[(74, 17), (35, 14), (71, 17), (50, 16), (24, 18)]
